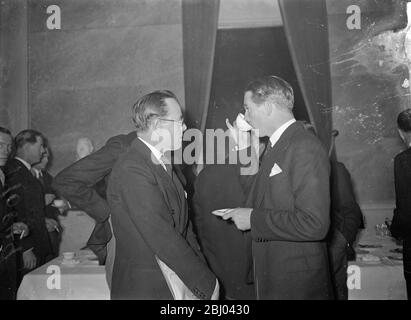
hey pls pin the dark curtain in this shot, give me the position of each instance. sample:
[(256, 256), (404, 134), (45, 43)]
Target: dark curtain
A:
[(200, 21), (306, 29)]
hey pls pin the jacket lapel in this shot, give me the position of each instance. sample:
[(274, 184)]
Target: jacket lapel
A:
[(165, 182), (272, 156)]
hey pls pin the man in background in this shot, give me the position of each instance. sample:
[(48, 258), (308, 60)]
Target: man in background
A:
[(30, 207), (83, 184), (41, 173), (401, 222)]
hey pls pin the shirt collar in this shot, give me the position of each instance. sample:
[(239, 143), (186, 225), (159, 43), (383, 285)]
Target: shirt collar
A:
[(278, 133), (26, 164), (155, 152)]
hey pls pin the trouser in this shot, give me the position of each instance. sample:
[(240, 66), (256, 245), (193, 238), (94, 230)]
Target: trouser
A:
[(337, 251), (407, 266), (111, 253)]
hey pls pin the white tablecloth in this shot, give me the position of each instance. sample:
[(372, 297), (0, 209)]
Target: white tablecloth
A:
[(380, 280), (83, 281), (383, 280)]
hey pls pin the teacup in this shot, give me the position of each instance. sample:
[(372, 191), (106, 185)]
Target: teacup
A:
[(58, 203), (68, 255), (242, 125)]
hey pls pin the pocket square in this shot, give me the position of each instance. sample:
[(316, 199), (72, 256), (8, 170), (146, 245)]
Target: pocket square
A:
[(275, 170)]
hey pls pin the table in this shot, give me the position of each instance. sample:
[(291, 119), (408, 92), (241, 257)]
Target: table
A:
[(381, 280), (76, 228), (57, 281), (378, 280)]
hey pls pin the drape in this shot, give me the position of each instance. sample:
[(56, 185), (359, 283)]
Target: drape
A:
[(200, 21), (306, 29)]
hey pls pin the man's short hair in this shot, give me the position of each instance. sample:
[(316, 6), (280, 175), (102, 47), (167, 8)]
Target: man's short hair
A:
[(26, 136), (404, 120), (5, 131), (150, 106), (272, 89)]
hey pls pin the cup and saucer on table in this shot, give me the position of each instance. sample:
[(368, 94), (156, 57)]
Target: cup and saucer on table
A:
[(69, 259)]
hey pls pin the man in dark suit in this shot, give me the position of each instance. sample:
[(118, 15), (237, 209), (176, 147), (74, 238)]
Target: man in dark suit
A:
[(45, 178), (346, 219), (83, 184), (30, 207), (225, 247), (9, 228), (401, 222), (289, 201), (149, 210)]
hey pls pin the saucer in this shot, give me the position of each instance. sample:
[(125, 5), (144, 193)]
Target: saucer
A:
[(71, 262), (220, 212)]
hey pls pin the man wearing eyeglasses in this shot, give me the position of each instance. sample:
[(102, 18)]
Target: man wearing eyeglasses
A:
[(149, 211)]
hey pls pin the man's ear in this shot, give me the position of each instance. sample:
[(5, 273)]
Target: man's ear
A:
[(268, 108), (154, 124)]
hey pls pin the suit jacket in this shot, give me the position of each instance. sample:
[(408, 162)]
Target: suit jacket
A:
[(346, 215), (84, 185), (401, 222), (30, 209), (224, 246), (7, 257), (77, 184), (291, 219), (150, 218)]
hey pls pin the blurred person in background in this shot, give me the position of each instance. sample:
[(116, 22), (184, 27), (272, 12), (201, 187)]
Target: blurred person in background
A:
[(401, 222)]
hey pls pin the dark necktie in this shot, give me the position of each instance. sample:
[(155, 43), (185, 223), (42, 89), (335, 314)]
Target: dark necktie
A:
[(168, 165)]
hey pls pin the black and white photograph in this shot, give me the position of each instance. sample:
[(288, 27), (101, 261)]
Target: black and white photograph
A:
[(218, 151)]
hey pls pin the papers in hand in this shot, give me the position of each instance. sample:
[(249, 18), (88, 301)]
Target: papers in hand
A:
[(220, 212)]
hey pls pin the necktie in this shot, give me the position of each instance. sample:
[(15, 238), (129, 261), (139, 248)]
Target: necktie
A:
[(168, 166)]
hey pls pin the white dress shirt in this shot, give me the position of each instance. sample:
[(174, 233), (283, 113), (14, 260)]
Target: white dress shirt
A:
[(26, 164), (278, 133), (157, 154), (164, 268)]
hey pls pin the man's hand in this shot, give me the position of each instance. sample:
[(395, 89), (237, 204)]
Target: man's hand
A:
[(51, 225), (61, 204), (48, 198), (21, 228), (29, 259), (241, 217), (241, 138)]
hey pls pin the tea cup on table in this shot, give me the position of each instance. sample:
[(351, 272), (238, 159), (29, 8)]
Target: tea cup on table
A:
[(68, 255)]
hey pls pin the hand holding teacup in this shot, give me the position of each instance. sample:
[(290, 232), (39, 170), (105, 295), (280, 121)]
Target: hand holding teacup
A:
[(243, 133), (240, 136), (61, 204)]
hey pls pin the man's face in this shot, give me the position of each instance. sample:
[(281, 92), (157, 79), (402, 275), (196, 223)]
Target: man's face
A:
[(254, 114), (34, 151), (5, 147), (44, 161), (172, 125)]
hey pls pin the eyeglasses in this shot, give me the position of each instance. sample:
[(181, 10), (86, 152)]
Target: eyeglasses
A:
[(180, 122)]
